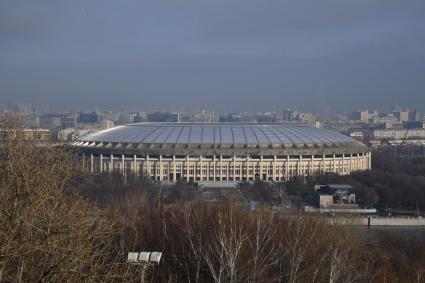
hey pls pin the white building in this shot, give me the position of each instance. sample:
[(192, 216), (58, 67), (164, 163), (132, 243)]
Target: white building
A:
[(221, 152)]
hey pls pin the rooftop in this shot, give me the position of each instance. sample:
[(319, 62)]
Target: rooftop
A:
[(247, 135)]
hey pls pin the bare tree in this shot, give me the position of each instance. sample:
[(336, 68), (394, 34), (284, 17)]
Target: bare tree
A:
[(301, 232), (222, 253), (46, 232), (262, 244)]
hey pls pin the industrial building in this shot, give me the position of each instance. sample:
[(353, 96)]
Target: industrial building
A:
[(399, 134), (221, 152)]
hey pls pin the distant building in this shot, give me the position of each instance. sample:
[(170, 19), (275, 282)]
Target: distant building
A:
[(163, 117), (69, 122), (66, 134), (31, 121), (335, 195), (202, 117), (89, 118), (50, 121), (402, 116), (290, 114), (26, 134), (399, 134), (72, 134), (266, 119), (125, 119), (138, 118), (233, 118), (306, 117), (360, 115), (415, 116), (294, 115), (107, 124), (388, 122), (414, 125), (357, 136), (336, 198)]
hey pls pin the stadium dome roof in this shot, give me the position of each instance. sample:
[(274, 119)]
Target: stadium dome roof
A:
[(217, 135)]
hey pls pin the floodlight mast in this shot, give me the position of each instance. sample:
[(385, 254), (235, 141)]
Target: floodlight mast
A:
[(145, 260)]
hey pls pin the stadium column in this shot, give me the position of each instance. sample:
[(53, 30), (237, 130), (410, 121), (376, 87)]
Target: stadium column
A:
[(356, 160), (334, 164), (287, 168), (227, 170), (274, 167), (241, 164), (101, 163), (268, 166), (135, 169), (148, 167), (221, 167), (91, 163), (343, 164), (360, 162), (351, 163), (246, 165), (234, 168), (370, 160), (214, 167), (366, 160), (246, 168), (174, 169), (200, 165), (187, 168), (322, 171), (208, 170), (111, 168), (261, 167), (301, 167), (161, 175), (312, 165)]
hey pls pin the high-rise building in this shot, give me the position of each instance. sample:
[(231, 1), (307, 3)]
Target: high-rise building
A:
[(69, 122), (50, 121), (290, 114), (402, 116), (360, 115), (163, 117), (91, 118), (107, 124), (31, 121)]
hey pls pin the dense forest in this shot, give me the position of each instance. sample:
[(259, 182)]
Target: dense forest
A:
[(59, 223)]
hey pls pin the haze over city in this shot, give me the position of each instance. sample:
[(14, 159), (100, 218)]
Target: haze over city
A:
[(237, 55)]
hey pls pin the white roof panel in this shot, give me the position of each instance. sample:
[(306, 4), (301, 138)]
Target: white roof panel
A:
[(233, 134)]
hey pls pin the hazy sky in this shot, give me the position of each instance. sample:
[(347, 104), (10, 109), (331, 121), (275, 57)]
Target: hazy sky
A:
[(227, 55)]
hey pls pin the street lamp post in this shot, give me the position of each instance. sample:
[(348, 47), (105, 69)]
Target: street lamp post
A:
[(145, 260)]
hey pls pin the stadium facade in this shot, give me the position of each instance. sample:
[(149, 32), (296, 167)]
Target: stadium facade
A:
[(221, 152)]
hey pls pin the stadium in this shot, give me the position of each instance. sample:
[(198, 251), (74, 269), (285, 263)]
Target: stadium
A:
[(221, 152)]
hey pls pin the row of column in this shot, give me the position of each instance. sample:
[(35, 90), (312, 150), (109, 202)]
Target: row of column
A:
[(288, 167)]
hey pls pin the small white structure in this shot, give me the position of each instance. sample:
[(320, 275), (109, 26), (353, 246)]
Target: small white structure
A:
[(144, 258)]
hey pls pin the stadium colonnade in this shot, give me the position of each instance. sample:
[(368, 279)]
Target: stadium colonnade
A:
[(221, 152)]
